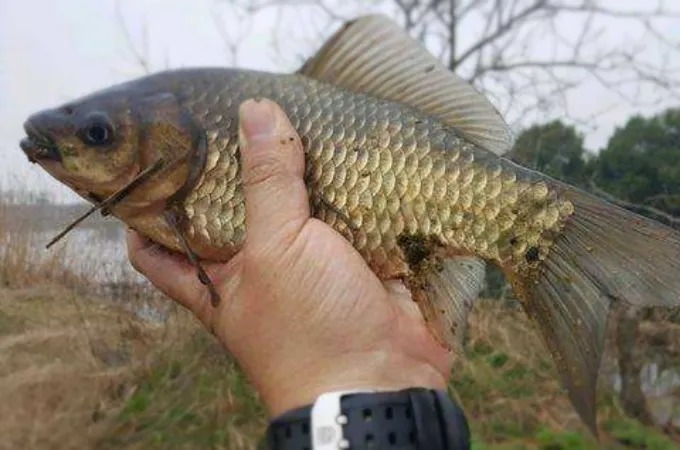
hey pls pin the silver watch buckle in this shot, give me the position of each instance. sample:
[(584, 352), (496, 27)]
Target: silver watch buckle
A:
[(327, 420)]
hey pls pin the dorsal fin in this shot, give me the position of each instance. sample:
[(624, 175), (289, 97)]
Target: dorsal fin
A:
[(372, 55)]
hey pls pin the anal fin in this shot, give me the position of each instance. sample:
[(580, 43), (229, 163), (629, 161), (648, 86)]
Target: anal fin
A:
[(445, 292)]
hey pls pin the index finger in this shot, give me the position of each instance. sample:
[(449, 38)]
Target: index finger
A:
[(170, 272)]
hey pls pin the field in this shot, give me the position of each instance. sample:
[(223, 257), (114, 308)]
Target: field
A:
[(83, 364)]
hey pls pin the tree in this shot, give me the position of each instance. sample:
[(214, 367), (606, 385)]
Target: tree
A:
[(554, 149), (526, 54), (641, 163)]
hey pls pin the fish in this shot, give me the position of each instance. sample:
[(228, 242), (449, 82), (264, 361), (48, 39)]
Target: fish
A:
[(403, 158)]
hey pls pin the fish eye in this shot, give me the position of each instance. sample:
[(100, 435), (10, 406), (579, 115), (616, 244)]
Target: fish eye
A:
[(97, 130)]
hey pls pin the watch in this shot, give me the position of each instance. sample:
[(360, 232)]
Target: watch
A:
[(410, 419)]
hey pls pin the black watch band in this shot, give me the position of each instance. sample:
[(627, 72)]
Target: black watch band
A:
[(411, 419)]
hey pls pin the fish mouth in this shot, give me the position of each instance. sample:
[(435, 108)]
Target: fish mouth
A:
[(37, 145)]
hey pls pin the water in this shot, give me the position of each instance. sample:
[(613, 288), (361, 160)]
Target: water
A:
[(660, 385), (100, 254), (96, 252)]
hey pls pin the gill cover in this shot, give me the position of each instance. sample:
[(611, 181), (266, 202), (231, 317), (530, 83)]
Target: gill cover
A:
[(169, 133)]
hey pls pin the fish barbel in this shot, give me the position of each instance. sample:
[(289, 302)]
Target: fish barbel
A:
[(403, 158)]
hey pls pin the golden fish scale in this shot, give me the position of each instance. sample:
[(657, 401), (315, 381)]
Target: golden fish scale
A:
[(376, 171)]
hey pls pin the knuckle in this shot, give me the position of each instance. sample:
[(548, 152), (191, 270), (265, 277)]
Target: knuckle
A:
[(266, 169), (279, 240), (133, 257)]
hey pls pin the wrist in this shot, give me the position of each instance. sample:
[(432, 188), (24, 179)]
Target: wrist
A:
[(409, 358), (379, 370)]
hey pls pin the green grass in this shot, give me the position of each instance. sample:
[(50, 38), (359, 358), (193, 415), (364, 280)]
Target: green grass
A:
[(192, 397), (629, 433)]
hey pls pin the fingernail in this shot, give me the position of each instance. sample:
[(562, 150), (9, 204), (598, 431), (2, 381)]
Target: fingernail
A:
[(257, 118)]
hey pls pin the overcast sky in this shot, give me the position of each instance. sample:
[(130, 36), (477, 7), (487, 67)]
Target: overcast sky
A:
[(52, 51)]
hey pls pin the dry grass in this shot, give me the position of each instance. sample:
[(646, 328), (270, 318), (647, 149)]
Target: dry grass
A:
[(76, 373), (79, 369), (70, 348), (23, 261), (63, 360)]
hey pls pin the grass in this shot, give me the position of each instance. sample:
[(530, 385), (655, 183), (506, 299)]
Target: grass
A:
[(508, 386), (194, 398), (78, 369), (76, 373)]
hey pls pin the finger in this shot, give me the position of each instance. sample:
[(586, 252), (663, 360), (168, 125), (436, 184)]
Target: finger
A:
[(172, 273), (272, 160)]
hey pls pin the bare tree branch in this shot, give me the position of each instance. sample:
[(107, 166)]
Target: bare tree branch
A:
[(525, 54), (590, 7), (232, 39), (503, 28), (141, 56)]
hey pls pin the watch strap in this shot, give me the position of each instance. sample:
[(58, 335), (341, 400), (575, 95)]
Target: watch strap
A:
[(414, 418)]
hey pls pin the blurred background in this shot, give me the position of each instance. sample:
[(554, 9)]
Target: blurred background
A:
[(91, 356)]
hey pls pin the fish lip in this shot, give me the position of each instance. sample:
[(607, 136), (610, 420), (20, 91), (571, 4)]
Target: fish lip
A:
[(37, 145)]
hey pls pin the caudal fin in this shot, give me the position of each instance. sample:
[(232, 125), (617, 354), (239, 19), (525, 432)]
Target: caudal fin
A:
[(604, 253)]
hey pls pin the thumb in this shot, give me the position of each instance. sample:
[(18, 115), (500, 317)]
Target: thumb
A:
[(272, 161)]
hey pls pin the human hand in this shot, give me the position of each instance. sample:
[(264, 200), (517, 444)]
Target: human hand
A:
[(301, 310)]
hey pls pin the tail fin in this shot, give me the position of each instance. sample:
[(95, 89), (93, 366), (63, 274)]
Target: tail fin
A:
[(604, 253)]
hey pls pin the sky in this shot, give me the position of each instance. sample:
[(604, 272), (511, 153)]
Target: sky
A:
[(53, 51)]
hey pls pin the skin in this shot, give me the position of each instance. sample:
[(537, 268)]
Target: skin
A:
[(301, 310)]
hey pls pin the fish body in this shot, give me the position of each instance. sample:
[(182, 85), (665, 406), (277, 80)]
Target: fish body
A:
[(402, 158), (382, 174)]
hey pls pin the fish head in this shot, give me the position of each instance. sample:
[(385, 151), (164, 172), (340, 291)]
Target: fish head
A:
[(98, 144)]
